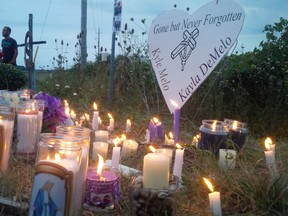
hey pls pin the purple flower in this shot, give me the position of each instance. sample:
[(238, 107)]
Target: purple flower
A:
[(54, 113)]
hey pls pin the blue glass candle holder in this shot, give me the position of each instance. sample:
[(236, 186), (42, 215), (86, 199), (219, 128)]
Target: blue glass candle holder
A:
[(238, 132)]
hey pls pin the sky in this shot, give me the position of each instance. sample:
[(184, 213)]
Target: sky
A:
[(61, 20)]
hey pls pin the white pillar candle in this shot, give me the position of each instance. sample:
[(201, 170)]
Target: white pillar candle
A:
[(100, 148), (111, 123), (116, 157), (6, 133), (129, 148), (270, 158), (227, 159), (167, 152), (178, 163), (95, 120), (128, 126), (101, 136), (215, 203), (155, 171)]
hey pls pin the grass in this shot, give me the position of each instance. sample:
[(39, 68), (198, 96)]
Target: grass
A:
[(246, 190)]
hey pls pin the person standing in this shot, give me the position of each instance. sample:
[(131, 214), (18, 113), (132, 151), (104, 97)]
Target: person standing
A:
[(9, 47)]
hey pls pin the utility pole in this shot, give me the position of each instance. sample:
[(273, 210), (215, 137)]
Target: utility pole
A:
[(98, 42), (83, 38)]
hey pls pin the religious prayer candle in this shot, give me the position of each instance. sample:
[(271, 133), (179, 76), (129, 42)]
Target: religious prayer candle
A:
[(155, 171), (178, 163), (27, 128), (95, 120), (129, 148), (101, 136), (116, 155), (7, 116), (100, 148), (214, 199)]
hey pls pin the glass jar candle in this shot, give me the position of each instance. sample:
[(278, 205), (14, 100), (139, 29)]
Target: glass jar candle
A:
[(7, 116), (213, 135), (27, 129), (238, 132)]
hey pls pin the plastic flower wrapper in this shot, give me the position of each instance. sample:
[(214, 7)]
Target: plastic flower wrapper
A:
[(54, 113)]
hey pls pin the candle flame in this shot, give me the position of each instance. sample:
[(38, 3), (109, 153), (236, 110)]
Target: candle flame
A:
[(268, 142), (95, 106), (174, 103), (152, 148), (57, 158), (67, 110), (115, 141), (73, 114), (155, 120), (170, 135), (87, 116), (214, 125), (48, 157), (209, 185), (110, 116), (100, 164), (235, 123), (178, 146), (128, 122), (66, 104), (123, 137)]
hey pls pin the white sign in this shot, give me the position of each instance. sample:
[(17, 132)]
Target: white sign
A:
[(184, 49), (117, 15)]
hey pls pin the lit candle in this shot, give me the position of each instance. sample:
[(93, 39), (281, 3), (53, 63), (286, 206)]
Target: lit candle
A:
[(169, 139), (268, 142), (100, 148), (158, 129), (270, 157), (27, 128), (214, 199), (151, 130), (7, 116), (116, 155), (95, 120), (129, 148), (101, 136), (102, 186), (227, 159), (72, 114), (111, 122), (238, 132), (128, 126), (176, 121), (155, 171), (178, 163), (68, 121)]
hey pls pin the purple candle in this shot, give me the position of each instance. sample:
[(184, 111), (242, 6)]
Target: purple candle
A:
[(102, 191), (159, 131), (176, 124), (151, 130)]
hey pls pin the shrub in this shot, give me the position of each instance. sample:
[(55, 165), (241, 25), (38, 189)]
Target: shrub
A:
[(11, 78)]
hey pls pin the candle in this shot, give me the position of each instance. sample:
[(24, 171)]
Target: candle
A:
[(7, 115), (178, 163), (101, 136), (167, 152), (270, 157), (128, 126), (102, 187), (111, 122), (227, 159), (116, 155), (100, 148), (268, 142), (151, 130), (158, 129), (27, 128), (72, 114), (95, 120), (129, 148), (214, 200), (176, 120), (238, 132), (155, 171), (169, 140), (68, 121)]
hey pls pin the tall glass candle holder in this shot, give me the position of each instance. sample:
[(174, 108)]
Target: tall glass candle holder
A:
[(145, 201), (213, 135), (238, 132), (7, 116), (102, 190), (81, 134), (27, 129), (58, 161)]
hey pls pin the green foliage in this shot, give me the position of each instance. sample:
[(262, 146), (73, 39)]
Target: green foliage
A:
[(11, 78)]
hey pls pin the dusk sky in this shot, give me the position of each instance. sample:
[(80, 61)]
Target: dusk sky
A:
[(61, 20)]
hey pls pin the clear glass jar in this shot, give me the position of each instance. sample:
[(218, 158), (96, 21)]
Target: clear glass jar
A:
[(7, 117), (27, 129), (238, 132), (213, 135), (144, 201)]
